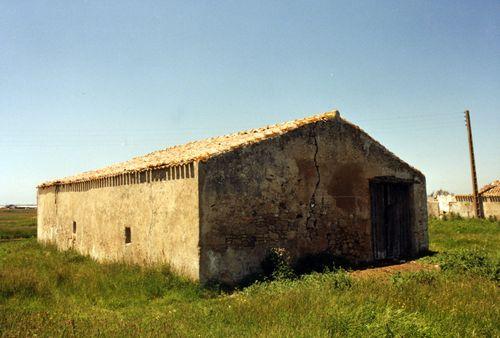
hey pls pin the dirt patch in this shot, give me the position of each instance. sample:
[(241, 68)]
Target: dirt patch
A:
[(386, 271)]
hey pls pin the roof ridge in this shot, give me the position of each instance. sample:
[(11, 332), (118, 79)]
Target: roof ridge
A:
[(316, 117), (197, 150)]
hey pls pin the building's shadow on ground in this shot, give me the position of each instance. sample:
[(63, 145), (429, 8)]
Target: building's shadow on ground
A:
[(314, 263)]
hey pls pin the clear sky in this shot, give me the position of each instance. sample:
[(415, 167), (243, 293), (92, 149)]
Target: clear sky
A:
[(84, 84)]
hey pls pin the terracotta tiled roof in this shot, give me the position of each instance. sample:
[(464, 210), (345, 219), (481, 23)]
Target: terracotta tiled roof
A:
[(194, 151), (492, 189), (207, 148)]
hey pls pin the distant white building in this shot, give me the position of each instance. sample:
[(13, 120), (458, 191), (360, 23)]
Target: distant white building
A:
[(489, 198)]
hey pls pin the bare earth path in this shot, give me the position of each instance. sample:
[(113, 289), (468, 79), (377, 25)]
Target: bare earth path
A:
[(386, 271)]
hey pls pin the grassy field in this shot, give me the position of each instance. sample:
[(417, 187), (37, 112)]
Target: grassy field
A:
[(49, 293), (17, 223)]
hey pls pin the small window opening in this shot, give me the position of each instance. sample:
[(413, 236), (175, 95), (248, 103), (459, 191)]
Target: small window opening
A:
[(74, 227), (128, 235)]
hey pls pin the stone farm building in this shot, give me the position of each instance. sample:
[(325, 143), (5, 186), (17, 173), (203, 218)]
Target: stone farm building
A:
[(212, 209)]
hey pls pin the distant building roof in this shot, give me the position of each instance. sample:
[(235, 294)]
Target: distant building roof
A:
[(492, 189), (198, 150)]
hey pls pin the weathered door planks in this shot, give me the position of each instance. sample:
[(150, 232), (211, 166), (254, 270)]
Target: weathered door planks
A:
[(390, 211)]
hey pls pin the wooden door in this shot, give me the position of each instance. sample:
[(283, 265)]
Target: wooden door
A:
[(390, 211)]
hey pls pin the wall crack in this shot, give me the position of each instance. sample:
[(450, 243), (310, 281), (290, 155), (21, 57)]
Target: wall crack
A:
[(312, 201)]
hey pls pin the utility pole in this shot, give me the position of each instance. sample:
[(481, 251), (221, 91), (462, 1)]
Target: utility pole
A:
[(477, 203)]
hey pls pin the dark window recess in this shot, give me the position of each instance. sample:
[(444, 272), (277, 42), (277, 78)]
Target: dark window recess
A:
[(74, 227), (159, 174), (142, 177), (128, 235), (191, 169)]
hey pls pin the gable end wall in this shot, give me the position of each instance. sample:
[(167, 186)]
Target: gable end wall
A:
[(306, 191)]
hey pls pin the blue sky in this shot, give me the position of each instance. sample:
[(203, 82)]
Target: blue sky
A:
[(84, 84)]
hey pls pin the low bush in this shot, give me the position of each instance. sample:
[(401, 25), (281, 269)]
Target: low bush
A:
[(423, 277), (452, 216), (474, 261), (492, 218), (341, 280), (277, 265)]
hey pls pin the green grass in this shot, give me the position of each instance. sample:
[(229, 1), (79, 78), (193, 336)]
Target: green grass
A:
[(465, 233), (50, 293), (17, 223)]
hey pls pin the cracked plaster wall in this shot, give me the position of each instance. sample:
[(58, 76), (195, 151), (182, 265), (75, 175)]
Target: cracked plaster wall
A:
[(307, 191)]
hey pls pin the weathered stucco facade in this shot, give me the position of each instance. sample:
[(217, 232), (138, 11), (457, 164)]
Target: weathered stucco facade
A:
[(163, 217), (306, 186)]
